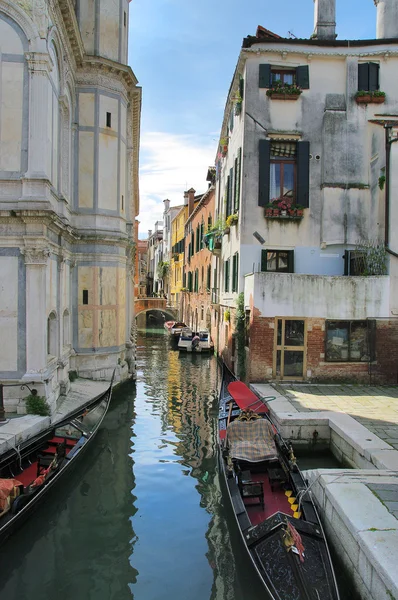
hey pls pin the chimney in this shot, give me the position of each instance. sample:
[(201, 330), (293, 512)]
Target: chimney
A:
[(325, 19), (185, 198), (149, 233), (191, 201), (166, 205), (387, 19)]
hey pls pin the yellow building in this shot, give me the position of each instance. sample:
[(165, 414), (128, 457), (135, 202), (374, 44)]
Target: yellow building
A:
[(177, 256)]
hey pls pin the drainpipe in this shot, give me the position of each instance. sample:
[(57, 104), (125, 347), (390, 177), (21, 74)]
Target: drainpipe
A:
[(389, 141)]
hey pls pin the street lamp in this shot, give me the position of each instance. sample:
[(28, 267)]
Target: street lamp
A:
[(33, 391)]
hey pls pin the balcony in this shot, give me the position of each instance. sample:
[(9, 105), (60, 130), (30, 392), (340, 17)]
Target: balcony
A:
[(291, 294)]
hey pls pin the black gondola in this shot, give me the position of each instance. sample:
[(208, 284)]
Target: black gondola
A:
[(29, 471), (278, 523)]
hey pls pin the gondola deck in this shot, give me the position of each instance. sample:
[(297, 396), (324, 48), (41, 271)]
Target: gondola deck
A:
[(29, 472), (278, 522)]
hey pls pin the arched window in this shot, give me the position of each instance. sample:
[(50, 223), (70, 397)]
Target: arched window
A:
[(66, 328), (52, 334)]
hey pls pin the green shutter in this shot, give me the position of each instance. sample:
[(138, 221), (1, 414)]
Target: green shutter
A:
[(303, 77), (290, 261), (373, 77), (303, 174), (263, 260), (231, 120), (241, 87), (230, 192), (264, 156), (226, 276), (237, 180), (264, 79), (363, 76), (226, 197)]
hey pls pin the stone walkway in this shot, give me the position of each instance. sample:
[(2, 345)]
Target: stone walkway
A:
[(375, 407)]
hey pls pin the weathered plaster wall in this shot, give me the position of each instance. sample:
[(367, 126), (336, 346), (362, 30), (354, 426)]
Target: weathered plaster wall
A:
[(285, 294)]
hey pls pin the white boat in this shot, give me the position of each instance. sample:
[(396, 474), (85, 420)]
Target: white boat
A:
[(191, 341)]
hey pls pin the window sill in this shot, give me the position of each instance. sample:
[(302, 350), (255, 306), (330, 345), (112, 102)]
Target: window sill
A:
[(281, 217), (283, 96)]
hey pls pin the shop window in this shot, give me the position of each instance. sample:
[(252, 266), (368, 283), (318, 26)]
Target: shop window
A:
[(347, 341)]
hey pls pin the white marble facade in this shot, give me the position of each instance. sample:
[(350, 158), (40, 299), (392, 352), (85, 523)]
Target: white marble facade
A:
[(69, 140)]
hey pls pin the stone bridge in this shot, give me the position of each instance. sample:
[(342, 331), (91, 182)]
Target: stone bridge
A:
[(147, 304)]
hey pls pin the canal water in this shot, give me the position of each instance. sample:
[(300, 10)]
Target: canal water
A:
[(141, 517)]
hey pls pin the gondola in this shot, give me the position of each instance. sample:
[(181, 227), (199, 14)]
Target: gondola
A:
[(271, 504), (29, 471)]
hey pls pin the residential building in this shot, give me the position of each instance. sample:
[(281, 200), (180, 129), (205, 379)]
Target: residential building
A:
[(197, 307), (169, 214), (70, 115), (154, 256), (140, 271), (306, 145)]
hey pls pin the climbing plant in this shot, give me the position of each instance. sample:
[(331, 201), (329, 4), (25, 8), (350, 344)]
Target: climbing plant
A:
[(370, 258), (241, 335)]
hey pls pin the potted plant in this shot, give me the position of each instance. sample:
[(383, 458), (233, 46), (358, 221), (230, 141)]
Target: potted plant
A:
[(224, 146), (366, 97), (284, 205), (299, 210), (284, 91), (238, 103), (269, 209), (232, 220)]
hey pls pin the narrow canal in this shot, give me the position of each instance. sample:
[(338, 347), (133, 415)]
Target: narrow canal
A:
[(141, 517)]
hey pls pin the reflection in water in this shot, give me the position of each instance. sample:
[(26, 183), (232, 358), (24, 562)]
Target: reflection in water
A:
[(141, 516)]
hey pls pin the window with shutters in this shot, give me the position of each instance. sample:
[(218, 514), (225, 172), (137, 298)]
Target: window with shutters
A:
[(282, 171), (208, 279), (277, 261), (235, 268), (226, 276), (368, 77), (270, 75)]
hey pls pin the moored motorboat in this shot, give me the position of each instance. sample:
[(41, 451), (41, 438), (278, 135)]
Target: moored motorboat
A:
[(279, 526), (29, 471), (190, 341), (174, 328)]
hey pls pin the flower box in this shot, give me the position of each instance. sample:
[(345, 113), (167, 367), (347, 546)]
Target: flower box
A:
[(370, 98), (284, 215), (278, 96)]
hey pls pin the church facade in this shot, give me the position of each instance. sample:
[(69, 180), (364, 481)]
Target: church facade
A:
[(69, 141)]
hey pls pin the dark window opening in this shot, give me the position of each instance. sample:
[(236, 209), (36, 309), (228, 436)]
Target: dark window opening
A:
[(108, 119), (347, 341), (368, 77), (277, 261), (124, 18), (122, 202), (85, 296), (354, 263)]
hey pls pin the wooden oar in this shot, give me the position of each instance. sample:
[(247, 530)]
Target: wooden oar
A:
[(229, 412)]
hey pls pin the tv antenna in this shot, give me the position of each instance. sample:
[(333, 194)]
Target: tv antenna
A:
[(291, 35)]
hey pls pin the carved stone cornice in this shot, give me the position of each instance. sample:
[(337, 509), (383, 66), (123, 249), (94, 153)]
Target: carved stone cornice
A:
[(36, 255), (97, 70), (72, 28)]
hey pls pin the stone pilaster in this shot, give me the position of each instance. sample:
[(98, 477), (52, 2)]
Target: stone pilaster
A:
[(39, 66), (36, 319)]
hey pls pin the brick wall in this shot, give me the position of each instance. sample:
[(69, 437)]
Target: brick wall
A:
[(383, 371)]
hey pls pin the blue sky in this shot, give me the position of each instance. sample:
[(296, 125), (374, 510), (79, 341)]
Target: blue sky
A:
[(184, 53)]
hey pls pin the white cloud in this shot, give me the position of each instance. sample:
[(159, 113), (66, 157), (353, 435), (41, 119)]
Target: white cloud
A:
[(170, 164)]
